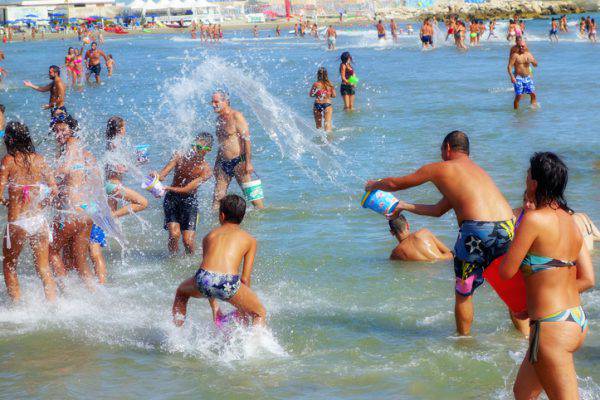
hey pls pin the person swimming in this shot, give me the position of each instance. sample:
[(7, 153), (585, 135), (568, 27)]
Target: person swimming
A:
[(549, 251), (30, 186)]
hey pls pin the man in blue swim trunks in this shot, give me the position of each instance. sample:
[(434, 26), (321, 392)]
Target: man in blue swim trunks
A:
[(519, 70), (234, 159), (380, 30), (219, 278), (484, 216)]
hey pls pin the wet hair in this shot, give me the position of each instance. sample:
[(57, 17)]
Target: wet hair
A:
[(110, 56), (398, 225), (2, 108), (458, 141), (56, 69), (94, 43), (345, 57), (233, 208), (113, 126), (551, 175), (17, 139), (323, 77), (70, 48), (205, 137), (224, 95)]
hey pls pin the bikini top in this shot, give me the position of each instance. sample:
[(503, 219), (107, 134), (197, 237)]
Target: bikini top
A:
[(533, 264), (44, 190), (349, 71)]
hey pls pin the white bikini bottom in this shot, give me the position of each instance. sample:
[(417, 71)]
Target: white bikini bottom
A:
[(31, 225)]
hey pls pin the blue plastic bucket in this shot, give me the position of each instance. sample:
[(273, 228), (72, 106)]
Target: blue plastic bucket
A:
[(379, 201)]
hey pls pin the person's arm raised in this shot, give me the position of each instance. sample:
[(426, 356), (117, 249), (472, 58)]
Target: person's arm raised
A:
[(38, 88), (393, 184), (524, 237), (249, 263)]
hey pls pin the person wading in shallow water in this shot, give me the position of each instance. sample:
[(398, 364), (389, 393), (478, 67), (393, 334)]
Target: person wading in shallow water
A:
[(56, 88), (234, 159), (485, 219)]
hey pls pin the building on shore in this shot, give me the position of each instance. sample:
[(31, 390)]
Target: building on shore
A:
[(177, 13), (40, 11)]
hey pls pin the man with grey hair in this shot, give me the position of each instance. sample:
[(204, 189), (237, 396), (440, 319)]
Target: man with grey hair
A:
[(234, 158)]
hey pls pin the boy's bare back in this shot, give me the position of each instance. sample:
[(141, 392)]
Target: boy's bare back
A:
[(225, 247)]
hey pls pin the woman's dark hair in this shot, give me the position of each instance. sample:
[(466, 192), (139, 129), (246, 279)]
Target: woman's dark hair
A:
[(18, 140), (113, 126), (551, 175), (345, 57)]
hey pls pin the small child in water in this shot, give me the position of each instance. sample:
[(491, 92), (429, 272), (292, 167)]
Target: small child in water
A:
[(224, 249), (110, 64)]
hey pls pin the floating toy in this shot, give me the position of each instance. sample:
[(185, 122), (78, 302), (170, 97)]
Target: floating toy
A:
[(511, 291), (141, 153), (353, 80), (379, 201), (86, 40), (154, 186), (253, 190)]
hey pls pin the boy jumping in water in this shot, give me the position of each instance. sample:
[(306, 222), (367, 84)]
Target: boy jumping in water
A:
[(224, 248)]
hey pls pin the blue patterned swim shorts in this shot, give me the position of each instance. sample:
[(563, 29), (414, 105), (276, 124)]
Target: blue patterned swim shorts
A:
[(523, 85)]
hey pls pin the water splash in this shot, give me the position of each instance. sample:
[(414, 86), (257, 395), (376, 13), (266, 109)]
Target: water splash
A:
[(296, 140)]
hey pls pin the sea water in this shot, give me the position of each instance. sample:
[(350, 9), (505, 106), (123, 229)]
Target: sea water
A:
[(344, 321)]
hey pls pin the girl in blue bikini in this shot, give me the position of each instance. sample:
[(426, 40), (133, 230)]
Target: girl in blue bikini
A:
[(549, 250)]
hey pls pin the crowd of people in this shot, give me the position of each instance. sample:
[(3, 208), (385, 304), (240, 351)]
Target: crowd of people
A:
[(54, 204)]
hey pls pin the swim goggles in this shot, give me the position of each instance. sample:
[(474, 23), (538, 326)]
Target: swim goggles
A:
[(199, 147)]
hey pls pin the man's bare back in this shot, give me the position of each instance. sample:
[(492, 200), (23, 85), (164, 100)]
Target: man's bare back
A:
[(421, 246), (470, 191)]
